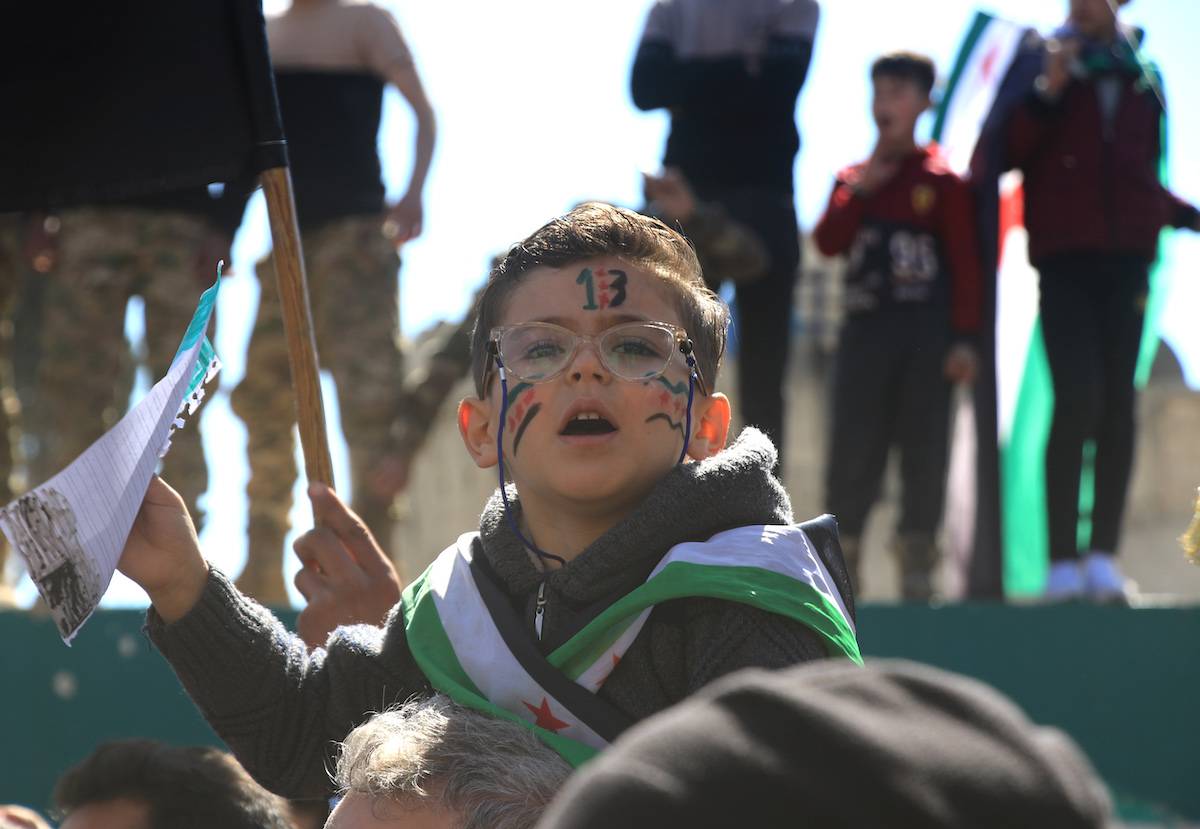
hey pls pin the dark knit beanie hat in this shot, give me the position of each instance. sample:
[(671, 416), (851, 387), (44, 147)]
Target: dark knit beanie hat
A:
[(829, 744)]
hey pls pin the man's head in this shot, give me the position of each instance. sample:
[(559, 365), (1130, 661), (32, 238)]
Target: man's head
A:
[(1095, 19), (142, 784), (902, 82), (604, 421), (432, 764)]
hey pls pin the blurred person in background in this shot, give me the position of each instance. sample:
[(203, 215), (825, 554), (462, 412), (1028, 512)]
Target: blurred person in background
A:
[(143, 784), (332, 61), (913, 309), (1087, 136), (730, 75)]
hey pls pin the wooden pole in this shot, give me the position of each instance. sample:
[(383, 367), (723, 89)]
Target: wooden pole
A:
[(297, 323)]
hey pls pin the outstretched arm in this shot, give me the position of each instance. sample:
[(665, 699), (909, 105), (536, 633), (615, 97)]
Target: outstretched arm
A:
[(278, 707)]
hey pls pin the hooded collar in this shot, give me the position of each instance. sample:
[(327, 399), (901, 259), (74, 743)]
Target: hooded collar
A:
[(692, 502)]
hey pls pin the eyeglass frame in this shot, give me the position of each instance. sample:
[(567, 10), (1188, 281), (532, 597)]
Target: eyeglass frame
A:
[(682, 340)]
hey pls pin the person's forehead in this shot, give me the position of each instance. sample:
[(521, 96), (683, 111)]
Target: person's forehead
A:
[(118, 813), (572, 294)]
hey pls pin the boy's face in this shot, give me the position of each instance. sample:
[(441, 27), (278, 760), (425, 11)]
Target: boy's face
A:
[(1093, 18), (547, 452), (896, 106)]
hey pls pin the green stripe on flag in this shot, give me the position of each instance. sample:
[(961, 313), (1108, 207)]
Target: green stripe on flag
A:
[(431, 648), (766, 590), (978, 26)]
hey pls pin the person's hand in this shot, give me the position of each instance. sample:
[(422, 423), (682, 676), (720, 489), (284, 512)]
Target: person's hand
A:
[(162, 553), (346, 578), (1056, 66), (213, 249), (880, 169), (961, 365), (18, 817), (403, 222), (671, 193)]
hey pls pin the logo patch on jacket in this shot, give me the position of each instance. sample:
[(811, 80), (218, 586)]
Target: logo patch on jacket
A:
[(923, 199)]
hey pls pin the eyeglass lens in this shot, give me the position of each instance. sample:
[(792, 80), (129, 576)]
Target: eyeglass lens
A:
[(634, 351)]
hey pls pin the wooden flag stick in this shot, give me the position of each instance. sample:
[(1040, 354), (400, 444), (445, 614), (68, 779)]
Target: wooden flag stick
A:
[(297, 323)]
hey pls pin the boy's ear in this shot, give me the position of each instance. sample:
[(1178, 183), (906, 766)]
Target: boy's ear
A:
[(710, 426), (475, 426)]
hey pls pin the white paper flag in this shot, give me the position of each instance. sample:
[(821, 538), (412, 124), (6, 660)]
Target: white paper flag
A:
[(70, 531)]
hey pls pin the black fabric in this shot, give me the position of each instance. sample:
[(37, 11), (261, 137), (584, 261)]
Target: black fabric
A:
[(332, 122), (222, 207), (121, 99), (882, 252), (594, 712), (889, 390), (1092, 310), (732, 125), (823, 533), (830, 745), (764, 306)]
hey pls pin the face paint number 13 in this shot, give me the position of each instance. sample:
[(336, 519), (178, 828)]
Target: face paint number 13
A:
[(605, 288)]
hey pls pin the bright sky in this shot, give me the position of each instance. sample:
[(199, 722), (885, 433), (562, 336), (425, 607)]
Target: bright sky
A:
[(534, 115)]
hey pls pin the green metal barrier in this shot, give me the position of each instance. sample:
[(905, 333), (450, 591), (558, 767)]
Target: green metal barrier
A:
[(1124, 683)]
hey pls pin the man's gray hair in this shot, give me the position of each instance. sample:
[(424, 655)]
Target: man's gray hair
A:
[(488, 771)]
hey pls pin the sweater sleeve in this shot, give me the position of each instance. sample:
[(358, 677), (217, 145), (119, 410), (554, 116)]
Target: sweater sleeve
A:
[(279, 708), (957, 233), (839, 225), (724, 637)]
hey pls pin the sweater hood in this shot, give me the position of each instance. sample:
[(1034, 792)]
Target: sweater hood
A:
[(692, 502)]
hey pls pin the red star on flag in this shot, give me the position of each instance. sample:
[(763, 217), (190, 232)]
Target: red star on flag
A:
[(545, 717), (989, 64)]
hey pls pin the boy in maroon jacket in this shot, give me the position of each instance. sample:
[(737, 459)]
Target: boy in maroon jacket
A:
[(1088, 138), (912, 302)]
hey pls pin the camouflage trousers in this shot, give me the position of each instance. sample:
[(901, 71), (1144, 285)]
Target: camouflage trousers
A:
[(106, 256), (353, 291)]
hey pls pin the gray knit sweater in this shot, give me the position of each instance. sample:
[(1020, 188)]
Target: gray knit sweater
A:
[(281, 709)]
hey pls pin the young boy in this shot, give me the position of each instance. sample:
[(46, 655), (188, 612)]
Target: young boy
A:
[(599, 588), (912, 307)]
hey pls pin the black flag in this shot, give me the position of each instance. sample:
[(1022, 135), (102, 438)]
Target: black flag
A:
[(128, 98)]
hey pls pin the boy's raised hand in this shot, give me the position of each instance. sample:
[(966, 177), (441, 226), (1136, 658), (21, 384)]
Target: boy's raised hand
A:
[(346, 578), (162, 553), (880, 169)]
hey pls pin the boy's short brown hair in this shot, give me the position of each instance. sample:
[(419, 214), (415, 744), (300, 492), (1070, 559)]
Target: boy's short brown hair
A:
[(596, 229), (907, 66)]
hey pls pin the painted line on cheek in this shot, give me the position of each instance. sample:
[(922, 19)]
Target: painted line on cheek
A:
[(529, 416), (674, 424), (675, 388), (515, 392)]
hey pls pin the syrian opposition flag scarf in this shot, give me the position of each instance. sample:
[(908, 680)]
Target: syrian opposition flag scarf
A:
[(1014, 400), (472, 645)]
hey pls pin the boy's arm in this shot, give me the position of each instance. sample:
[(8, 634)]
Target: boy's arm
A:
[(275, 705), (835, 232), (1037, 113), (280, 708), (957, 236)]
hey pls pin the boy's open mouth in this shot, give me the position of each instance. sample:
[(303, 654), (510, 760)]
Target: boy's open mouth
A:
[(588, 423)]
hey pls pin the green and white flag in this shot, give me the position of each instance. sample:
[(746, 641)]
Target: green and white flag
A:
[(471, 649)]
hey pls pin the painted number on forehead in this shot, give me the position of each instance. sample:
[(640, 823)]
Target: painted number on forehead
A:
[(605, 288)]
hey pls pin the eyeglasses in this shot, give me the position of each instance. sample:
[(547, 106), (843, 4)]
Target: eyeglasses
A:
[(535, 352)]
